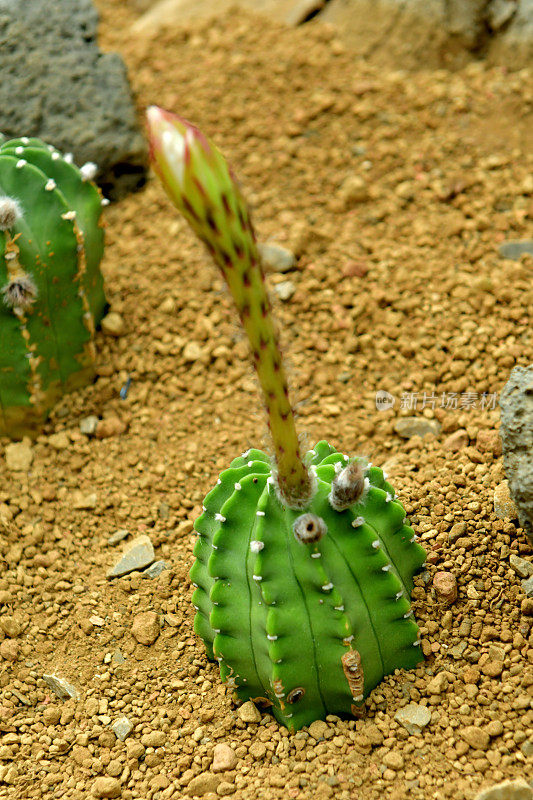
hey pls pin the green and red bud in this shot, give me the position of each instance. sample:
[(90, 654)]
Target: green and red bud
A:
[(199, 182)]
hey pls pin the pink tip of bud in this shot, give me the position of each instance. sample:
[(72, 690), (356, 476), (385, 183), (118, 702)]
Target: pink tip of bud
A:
[(169, 132)]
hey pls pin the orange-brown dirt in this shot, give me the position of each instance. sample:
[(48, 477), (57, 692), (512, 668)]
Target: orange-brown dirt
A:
[(394, 189)]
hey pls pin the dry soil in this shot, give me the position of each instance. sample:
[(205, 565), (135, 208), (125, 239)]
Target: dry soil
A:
[(394, 189)]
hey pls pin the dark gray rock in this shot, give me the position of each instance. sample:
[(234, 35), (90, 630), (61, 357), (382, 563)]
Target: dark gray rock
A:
[(57, 85), (516, 434), (155, 569)]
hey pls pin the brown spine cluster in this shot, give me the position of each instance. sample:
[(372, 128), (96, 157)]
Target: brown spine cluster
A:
[(347, 487)]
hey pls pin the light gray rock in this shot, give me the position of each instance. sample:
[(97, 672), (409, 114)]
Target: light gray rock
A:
[(68, 92), (515, 248), (276, 258), (508, 790), (416, 426), (88, 425), (527, 586), (61, 687), (122, 727), (522, 567), (516, 433), (285, 290), (137, 555), (155, 569), (413, 717)]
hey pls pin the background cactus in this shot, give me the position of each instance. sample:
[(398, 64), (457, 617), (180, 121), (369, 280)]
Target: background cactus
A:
[(51, 244), (304, 566)]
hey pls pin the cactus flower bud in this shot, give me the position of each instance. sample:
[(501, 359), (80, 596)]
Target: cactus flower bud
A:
[(199, 182)]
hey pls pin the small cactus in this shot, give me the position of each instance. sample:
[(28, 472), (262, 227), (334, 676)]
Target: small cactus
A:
[(51, 287), (304, 565)]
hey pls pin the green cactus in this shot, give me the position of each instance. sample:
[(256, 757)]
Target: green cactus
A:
[(52, 296), (304, 566)]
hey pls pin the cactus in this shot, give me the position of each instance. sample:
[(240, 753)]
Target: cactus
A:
[(51, 288), (304, 565)]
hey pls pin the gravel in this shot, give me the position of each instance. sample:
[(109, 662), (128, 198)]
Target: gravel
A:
[(431, 308)]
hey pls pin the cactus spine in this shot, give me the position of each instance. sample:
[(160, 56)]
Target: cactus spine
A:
[(52, 297), (303, 569)]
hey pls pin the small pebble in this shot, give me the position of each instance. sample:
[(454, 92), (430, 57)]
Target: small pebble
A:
[(353, 190), (117, 537), (437, 685), (495, 728), (445, 585), (523, 568), (51, 715), (476, 737), (515, 248), (393, 760), (248, 712), (146, 627), (276, 258), (407, 427), (88, 425), (19, 456), (154, 739), (110, 426), (225, 788), (9, 650), (106, 787), (224, 758), (318, 728), (192, 352), (113, 324), (59, 441), (413, 717), (122, 727), (84, 502), (456, 441), (285, 290), (257, 750), (202, 784), (504, 506)]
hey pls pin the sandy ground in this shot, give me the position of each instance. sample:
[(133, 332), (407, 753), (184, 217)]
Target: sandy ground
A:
[(394, 190)]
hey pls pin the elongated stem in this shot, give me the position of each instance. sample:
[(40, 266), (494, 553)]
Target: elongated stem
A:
[(199, 182)]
